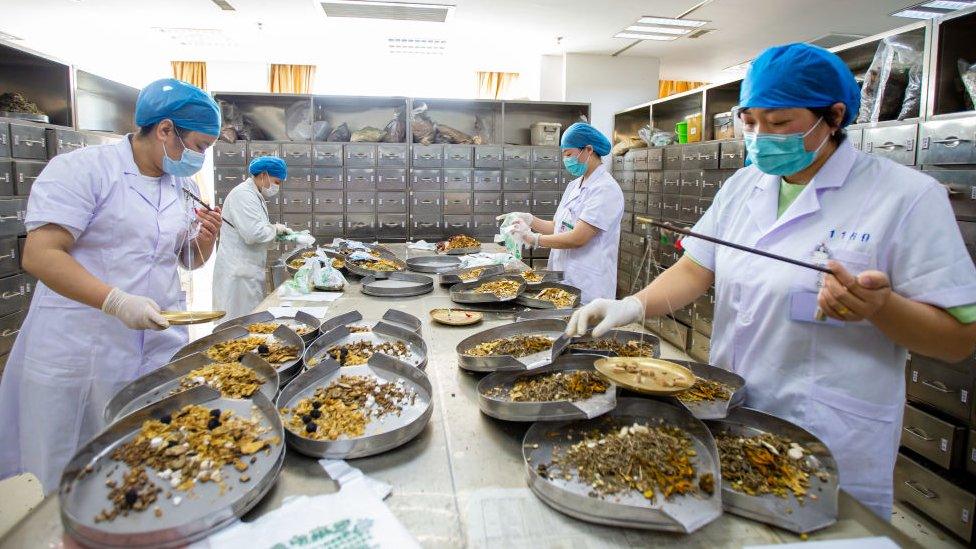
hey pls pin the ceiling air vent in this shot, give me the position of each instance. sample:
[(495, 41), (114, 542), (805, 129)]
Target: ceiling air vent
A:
[(399, 11), (834, 39), (196, 37)]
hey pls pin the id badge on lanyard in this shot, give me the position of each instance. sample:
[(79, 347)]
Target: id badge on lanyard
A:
[(803, 303)]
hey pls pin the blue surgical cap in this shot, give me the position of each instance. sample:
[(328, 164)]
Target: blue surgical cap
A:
[(582, 134), (188, 106), (275, 167), (800, 76)]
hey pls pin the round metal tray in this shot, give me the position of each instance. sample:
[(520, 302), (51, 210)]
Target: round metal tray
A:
[(363, 272), (381, 435), (301, 319), (547, 276), (397, 285), (381, 333), (529, 299), (716, 409), (395, 317), (294, 255), (464, 251), (506, 363), (786, 512), (432, 263), (501, 407), (286, 370), (623, 336), (464, 292), (535, 314), (159, 383), (83, 492), (451, 278), (679, 514)]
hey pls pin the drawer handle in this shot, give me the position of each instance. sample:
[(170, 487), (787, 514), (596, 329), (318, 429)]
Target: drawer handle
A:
[(937, 386), (11, 295), (325, 154), (230, 153), (11, 255), (427, 156), (296, 154), (28, 142), (950, 190), (889, 146), (919, 433), (9, 217), (458, 157), (360, 155), (391, 155), (922, 491), (950, 141), (8, 332), (6, 178)]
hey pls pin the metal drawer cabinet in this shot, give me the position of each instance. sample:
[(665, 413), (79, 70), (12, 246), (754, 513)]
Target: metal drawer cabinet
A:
[(948, 142), (391, 179), (939, 441), (28, 142), (327, 225), (10, 253), (9, 328), (893, 142), (4, 140), (391, 226), (229, 176), (674, 332), (63, 141), (671, 208), (689, 209), (655, 158), (946, 387), (704, 313), (617, 164), (627, 180), (13, 294), (641, 182), (951, 506), (25, 173), (690, 184), (517, 157), (684, 316), (360, 202), (6, 178), (230, 154), (457, 204), (257, 149), (487, 203), (968, 231), (425, 226), (487, 156), (425, 202), (360, 179), (629, 202), (628, 162), (545, 202), (458, 156), (295, 202), (640, 159), (328, 202), (640, 203), (516, 180), (359, 155), (698, 346), (391, 156), (298, 179), (655, 205), (484, 226), (703, 205), (12, 212), (361, 226), (456, 224), (487, 180), (671, 182), (425, 180), (961, 185), (458, 179), (297, 222), (391, 202), (546, 158), (732, 155), (428, 156), (708, 156), (327, 178), (971, 453), (546, 180), (856, 137), (327, 154), (712, 181), (690, 157), (297, 154), (672, 157), (516, 202), (655, 182)]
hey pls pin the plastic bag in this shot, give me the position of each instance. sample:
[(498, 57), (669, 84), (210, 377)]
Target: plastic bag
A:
[(888, 92), (368, 134), (451, 136), (340, 135), (422, 127), (301, 283), (302, 238), (655, 137), (298, 121), (481, 135), (967, 72), (326, 277), (396, 129), (625, 144), (513, 245)]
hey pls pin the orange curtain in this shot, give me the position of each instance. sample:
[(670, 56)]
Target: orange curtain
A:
[(192, 72), (671, 87), (496, 85), (292, 78)]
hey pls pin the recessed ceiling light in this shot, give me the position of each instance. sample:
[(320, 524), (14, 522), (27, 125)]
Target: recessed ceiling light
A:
[(651, 20), (658, 30), (640, 36), (381, 9)]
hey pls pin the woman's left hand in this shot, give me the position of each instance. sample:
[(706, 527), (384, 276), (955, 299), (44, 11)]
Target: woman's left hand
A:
[(523, 232), (210, 222), (852, 299)]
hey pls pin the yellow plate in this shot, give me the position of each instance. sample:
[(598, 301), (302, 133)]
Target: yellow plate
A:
[(651, 376), (456, 317), (183, 318)]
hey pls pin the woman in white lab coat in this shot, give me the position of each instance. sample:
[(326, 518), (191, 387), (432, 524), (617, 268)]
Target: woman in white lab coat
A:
[(239, 271), (584, 235), (902, 279)]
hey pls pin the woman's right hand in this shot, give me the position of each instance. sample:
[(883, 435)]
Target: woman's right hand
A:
[(610, 313), (526, 218), (135, 311)]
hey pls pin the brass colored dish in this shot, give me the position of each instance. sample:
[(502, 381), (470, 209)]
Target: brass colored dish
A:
[(183, 318), (651, 376)]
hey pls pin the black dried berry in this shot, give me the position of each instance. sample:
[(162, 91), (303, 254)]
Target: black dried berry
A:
[(263, 349), (166, 419), (171, 443), (310, 427), (316, 404), (343, 355), (215, 412), (131, 496), (316, 413), (213, 423), (307, 418)]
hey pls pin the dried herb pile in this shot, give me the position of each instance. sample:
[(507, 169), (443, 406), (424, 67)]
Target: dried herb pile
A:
[(766, 464), (517, 346), (555, 386), (354, 354), (502, 288), (232, 379), (632, 348), (558, 297), (274, 352), (270, 327), (706, 390)]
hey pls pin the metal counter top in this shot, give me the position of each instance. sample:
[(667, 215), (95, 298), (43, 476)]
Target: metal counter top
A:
[(462, 482)]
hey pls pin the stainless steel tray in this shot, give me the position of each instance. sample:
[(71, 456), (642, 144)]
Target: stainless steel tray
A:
[(83, 495), (432, 263), (500, 407), (714, 409), (286, 370), (463, 292), (294, 255), (451, 278), (397, 285), (547, 276), (623, 336), (679, 514), (527, 297), (395, 317), (464, 251), (382, 332), (301, 319), (363, 272), (785, 513), (506, 363), (535, 314), (25, 116), (159, 383), (381, 435)]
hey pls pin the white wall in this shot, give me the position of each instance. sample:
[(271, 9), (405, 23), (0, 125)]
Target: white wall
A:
[(226, 76), (609, 84), (551, 78)]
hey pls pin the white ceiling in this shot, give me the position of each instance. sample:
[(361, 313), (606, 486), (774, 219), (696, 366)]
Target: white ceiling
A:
[(111, 35)]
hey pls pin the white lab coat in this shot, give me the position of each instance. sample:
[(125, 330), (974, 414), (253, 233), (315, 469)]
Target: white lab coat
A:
[(593, 267), (844, 382), (239, 270), (69, 359)]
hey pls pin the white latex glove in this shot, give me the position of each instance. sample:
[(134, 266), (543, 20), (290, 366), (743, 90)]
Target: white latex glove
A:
[(523, 233), (522, 216), (281, 229), (610, 313), (135, 311)]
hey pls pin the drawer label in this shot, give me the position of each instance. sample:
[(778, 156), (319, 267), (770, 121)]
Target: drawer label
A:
[(973, 455), (943, 445), (965, 515), (914, 376), (963, 396)]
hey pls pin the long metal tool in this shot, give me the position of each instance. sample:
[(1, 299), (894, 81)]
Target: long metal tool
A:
[(686, 232), (205, 205)]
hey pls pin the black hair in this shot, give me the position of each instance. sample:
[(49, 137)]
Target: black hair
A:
[(149, 128), (830, 118)]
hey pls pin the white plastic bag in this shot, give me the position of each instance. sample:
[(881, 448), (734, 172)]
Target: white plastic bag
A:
[(512, 244), (326, 277), (892, 84)]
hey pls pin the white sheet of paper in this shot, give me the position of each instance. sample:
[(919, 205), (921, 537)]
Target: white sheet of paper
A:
[(317, 312), (318, 297)]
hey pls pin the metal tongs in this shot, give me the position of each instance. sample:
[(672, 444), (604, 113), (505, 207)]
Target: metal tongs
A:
[(205, 205)]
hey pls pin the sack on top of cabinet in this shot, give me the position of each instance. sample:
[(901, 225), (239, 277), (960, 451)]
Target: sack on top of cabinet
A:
[(341, 134)]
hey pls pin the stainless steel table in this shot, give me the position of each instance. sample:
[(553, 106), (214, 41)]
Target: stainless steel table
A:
[(462, 481)]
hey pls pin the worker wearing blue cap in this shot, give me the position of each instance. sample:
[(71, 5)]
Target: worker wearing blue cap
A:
[(107, 228), (825, 352), (239, 270), (584, 234)]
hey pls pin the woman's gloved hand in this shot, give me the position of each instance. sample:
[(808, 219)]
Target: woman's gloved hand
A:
[(135, 311), (282, 229), (610, 313), (526, 218), (523, 233)]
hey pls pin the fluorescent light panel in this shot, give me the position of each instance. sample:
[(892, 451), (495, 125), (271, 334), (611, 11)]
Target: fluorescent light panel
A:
[(651, 20), (914, 13), (658, 30), (933, 8), (639, 36), (375, 9)]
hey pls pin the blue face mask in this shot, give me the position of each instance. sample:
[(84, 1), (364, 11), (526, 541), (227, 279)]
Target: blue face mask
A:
[(574, 165), (189, 163), (781, 154)]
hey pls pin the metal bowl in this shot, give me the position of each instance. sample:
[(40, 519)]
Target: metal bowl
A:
[(432, 263), (381, 333), (397, 285), (464, 292), (535, 314), (716, 409), (547, 276), (295, 255), (286, 370), (364, 272), (464, 251), (546, 327), (301, 319), (394, 317), (622, 336), (453, 277), (529, 299)]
